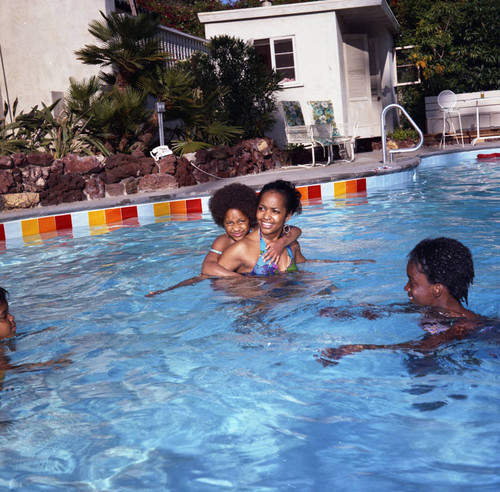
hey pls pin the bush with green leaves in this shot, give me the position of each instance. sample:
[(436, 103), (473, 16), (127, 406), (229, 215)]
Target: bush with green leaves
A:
[(403, 134), (246, 89)]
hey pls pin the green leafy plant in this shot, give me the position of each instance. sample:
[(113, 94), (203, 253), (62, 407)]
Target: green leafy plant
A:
[(246, 89), (129, 45), (403, 134)]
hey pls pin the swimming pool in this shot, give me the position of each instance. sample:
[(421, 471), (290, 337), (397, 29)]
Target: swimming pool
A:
[(215, 386)]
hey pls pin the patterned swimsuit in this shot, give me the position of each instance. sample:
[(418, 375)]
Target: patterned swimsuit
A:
[(266, 269)]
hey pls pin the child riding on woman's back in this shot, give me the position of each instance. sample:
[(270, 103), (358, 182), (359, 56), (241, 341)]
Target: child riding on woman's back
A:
[(234, 208)]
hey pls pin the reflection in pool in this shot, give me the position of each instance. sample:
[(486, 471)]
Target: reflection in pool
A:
[(215, 386)]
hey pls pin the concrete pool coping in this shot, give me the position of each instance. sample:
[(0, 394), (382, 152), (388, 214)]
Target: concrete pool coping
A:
[(365, 165)]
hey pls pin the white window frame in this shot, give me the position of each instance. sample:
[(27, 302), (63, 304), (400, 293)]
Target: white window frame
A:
[(273, 56), (411, 65)]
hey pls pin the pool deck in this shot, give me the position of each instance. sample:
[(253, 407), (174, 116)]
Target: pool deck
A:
[(365, 164)]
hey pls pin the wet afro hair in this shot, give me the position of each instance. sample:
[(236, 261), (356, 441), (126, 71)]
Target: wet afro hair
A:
[(288, 191), (445, 261), (4, 295), (237, 196)]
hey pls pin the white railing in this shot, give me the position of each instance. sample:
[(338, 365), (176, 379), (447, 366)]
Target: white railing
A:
[(384, 133), (179, 44)]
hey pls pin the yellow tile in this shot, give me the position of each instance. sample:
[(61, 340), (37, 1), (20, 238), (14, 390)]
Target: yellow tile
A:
[(98, 230), (339, 189), (161, 209), (97, 218), (30, 227)]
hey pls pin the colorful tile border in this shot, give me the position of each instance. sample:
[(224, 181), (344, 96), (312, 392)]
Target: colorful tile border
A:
[(94, 222)]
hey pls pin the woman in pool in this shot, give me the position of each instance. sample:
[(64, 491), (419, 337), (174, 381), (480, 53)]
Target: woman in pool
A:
[(440, 272), (278, 201)]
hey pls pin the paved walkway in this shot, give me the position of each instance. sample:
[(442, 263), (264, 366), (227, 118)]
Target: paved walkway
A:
[(366, 164)]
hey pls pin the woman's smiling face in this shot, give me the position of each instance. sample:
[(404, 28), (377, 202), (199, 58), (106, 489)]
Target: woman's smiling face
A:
[(271, 212)]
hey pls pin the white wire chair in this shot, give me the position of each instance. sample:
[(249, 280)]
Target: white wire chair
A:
[(447, 102)]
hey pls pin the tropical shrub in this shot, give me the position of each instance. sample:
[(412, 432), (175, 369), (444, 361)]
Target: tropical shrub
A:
[(246, 89)]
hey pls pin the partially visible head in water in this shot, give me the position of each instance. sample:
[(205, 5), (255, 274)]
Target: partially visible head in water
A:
[(7, 322), (442, 261)]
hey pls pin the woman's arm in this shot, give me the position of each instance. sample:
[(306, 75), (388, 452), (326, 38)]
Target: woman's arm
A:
[(233, 258)]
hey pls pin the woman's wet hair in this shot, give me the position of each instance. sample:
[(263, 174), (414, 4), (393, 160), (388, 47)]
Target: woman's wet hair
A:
[(4, 295), (445, 261), (237, 196), (288, 191)]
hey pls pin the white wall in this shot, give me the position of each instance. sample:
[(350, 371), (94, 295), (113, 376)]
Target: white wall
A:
[(318, 72), (319, 29), (38, 40)]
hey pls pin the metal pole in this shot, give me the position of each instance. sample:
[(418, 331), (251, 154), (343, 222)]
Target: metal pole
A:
[(160, 109), (5, 83)]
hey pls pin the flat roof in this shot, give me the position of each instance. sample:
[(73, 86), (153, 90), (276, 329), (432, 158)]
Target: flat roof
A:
[(352, 11)]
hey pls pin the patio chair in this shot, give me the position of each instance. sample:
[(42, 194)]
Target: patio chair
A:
[(327, 133), (297, 132)]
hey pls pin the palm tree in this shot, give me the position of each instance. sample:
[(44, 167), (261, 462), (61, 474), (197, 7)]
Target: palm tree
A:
[(128, 44)]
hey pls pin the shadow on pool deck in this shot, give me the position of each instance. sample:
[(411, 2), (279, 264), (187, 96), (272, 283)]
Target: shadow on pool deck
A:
[(366, 164)]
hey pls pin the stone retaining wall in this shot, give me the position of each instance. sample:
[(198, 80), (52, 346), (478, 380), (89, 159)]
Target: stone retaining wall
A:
[(29, 180)]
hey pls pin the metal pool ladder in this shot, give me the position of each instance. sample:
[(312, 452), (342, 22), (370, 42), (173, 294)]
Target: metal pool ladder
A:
[(382, 126)]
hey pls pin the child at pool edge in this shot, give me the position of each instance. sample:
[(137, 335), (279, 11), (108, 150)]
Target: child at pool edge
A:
[(440, 272), (234, 208)]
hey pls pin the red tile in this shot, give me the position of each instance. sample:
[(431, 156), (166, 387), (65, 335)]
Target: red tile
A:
[(361, 185), (314, 192), (129, 212), (194, 206), (63, 222), (2, 232)]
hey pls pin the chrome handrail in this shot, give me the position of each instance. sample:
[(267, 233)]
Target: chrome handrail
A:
[(382, 126)]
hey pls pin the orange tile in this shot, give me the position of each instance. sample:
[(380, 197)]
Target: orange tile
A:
[(47, 224), (178, 207), (351, 186), (162, 208), (113, 215), (303, 191)]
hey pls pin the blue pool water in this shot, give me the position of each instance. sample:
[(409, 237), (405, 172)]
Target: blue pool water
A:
[(215, 386)]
